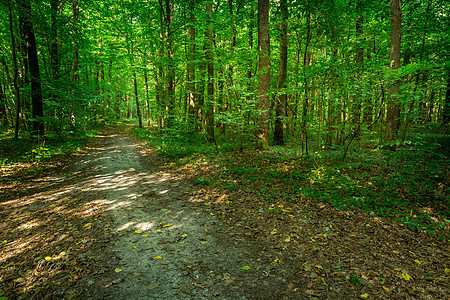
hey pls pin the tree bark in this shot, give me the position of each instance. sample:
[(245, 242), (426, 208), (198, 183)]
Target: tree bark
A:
[(263, 74), (192, 115), (306, 61), (75, 75), (210, 76), (280, 106), (393, 107), (170, 66), (446, 110), (37, 110), (15, 77)]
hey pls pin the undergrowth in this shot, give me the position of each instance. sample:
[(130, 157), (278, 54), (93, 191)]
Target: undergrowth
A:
[(37, 152), (410, 187)]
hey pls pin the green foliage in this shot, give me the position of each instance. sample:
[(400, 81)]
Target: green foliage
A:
[(354, 279)]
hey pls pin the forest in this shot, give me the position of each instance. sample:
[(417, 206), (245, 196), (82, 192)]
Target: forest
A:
[(334, 109)]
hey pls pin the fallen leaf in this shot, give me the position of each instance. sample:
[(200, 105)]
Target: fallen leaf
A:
[(313, 293), (447, 270), (133, 247), (396, 252), (364, 296), (319, 267), (152, 286), (167, 225), (88, 224), (48, 258), (406, 276), (158, 257), (273, 231), (145, 235), (138, 231), (417, 262), (118, 270), (245, 268), (203, 242), (288, 239)]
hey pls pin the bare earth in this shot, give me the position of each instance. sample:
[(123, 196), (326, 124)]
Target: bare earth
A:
[(116, 227), (115, 223)]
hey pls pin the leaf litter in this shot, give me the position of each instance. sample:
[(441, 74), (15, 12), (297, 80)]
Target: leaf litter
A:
[(298, 249)]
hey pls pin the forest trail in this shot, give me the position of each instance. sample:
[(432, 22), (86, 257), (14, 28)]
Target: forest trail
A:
[(113, 225), (118, 223), (164, 246)]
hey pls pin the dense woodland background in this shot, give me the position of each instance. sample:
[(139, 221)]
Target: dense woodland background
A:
[(353, 96), (314, 74)]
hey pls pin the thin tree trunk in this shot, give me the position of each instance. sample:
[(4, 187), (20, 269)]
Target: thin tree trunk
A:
[(191, 71), (393, 107), (278, 137), (263, 74), (75, 75), (169, 66), (446, 110), (210, 76), (306, 89), (147, 97), (16, 74)]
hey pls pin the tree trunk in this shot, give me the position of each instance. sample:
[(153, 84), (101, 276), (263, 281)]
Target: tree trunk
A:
[(16, 74), (306, 88), (192, 115), (75, 75), (147, 97), (210, 76), (393, 107), (138, 107), (263, 74), (278, 137), (356, 99), (170, 66), (37, 110), (446, 112)]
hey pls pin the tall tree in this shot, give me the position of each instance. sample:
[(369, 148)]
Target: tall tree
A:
[(278, 137), (37, 111), (191, 68), (15, 76), (210, 75), (263, 74), (393, 107), (75, 75)]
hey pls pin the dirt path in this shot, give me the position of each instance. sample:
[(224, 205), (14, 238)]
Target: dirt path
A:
[(113, 225), (166, 246)]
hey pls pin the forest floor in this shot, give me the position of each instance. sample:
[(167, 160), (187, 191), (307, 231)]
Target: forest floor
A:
[(116, 222)]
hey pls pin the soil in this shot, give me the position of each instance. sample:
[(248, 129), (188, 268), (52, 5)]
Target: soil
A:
[(118, 223)]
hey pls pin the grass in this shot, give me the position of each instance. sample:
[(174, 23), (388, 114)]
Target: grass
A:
[(410, 187)]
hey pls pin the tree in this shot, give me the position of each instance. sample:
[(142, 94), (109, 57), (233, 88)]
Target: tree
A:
[(278, 136), (210, 76), (263, 74), (190, 86), (393, 107), (33, 64)]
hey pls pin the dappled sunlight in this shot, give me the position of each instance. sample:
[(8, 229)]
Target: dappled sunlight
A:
[(125, 226), (64, 214), (145, 226)]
